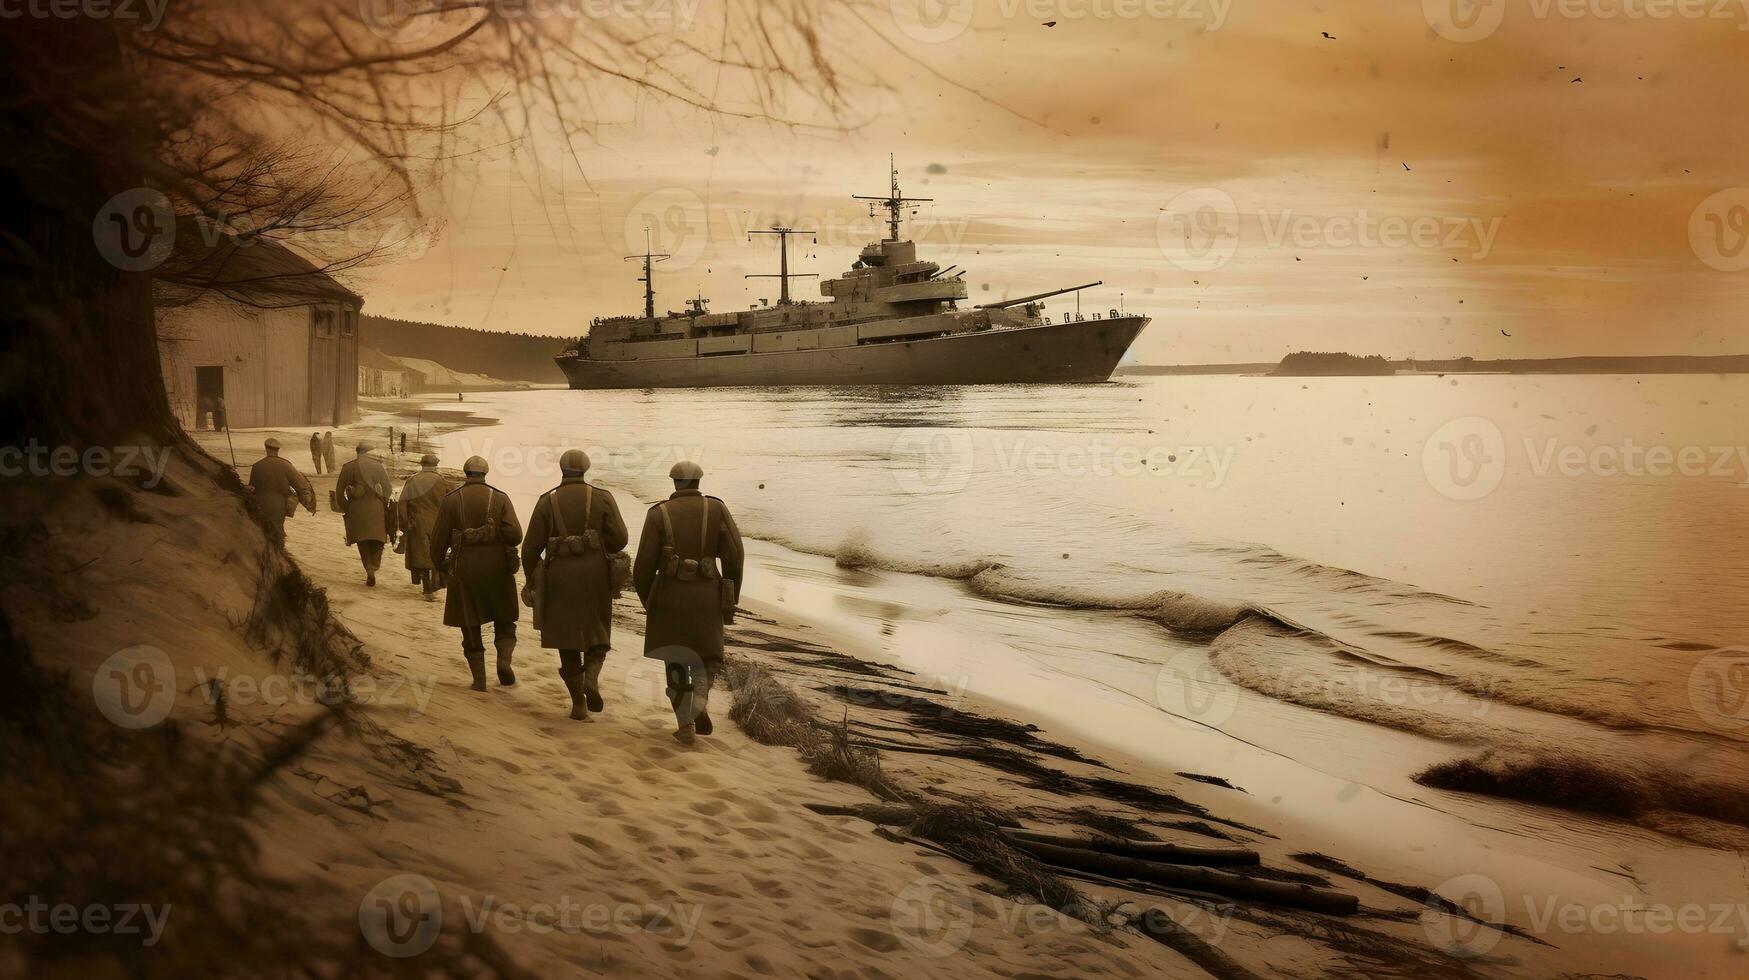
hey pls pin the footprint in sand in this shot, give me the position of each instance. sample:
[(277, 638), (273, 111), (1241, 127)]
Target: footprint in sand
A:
[(880, 942)]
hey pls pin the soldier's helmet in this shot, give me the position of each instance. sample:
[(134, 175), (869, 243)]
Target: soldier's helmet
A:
[(686, 469), (476, 464), (428, 460), (575, 462)]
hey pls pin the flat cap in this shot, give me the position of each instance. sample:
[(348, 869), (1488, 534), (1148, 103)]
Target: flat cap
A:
[(476, 464), (428, 460), (686, 469), (271, 443), (574, 462), (364, 447)]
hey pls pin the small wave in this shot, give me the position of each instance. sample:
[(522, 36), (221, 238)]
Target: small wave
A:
[(1644, 794), (859, 556), (1450, 645)]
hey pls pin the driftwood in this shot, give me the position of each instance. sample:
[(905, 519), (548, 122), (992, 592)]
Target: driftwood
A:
[(1156, 925), (1144, 850), (1201, 879)]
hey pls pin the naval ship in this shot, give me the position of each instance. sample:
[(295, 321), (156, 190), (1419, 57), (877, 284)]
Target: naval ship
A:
[(891, 320)]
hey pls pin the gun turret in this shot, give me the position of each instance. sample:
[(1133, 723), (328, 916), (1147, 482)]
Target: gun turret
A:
[(1036, 296)]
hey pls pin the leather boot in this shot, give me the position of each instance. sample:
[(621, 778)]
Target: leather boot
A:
[(574, 683), (477, 664), (592, 664), (683, 725), (506, 645)]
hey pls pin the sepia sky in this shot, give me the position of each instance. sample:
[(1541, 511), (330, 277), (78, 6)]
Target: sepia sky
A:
[(1497, 178)]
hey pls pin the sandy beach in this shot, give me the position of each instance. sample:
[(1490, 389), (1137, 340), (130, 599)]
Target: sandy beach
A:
[(398, 815)]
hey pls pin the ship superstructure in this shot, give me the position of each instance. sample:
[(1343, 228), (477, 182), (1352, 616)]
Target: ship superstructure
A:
[(891, 319)]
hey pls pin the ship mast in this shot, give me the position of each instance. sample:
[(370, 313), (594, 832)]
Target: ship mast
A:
[(649, 258), (783, 275), (894, 202)]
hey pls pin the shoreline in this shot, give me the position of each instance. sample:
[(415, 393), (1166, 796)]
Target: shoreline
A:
[(1056, 779)]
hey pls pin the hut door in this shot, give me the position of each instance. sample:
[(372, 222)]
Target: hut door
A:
[(209, 389)]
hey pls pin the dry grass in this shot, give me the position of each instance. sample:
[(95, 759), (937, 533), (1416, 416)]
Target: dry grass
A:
[(771, 714)]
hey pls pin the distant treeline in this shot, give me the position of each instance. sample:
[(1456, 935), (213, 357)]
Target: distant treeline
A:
[(1307, 363), (509, 356), (1312, 363)]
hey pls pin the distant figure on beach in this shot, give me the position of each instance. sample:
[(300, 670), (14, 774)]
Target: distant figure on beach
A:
[(474, 542), (687, 597), (328, 449), (458, 396), (572, 534), (416, 515), (316, 451), (403, 440), (363, 491), (277, 487)]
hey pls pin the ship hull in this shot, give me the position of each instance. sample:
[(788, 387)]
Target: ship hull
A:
[(1053, 353)]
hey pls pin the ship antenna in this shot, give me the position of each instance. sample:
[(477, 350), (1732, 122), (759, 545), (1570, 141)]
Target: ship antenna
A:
[(783, 275), (894, 202), (649, 258)]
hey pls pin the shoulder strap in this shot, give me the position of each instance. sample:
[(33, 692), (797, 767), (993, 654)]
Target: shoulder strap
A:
[(493, 508), (558, 516), (667, 523), (704, 530)]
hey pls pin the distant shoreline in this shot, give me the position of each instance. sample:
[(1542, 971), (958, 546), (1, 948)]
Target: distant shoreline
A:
[(1671, 364)]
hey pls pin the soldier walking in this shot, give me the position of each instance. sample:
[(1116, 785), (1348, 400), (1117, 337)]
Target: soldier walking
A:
[(363, 490), (688, 574), (275, 484), (316, 451), (416, 514), (474, 542), (328, 450), (572, 534)]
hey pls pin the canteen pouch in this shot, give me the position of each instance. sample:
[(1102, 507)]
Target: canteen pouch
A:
[(726, 599), (620, 571)]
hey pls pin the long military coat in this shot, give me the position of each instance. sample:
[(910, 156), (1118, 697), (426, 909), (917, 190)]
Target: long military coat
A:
[(416, 510), (576, 602), (687, 616), (364, 490), (275, 480), (482, 577)]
